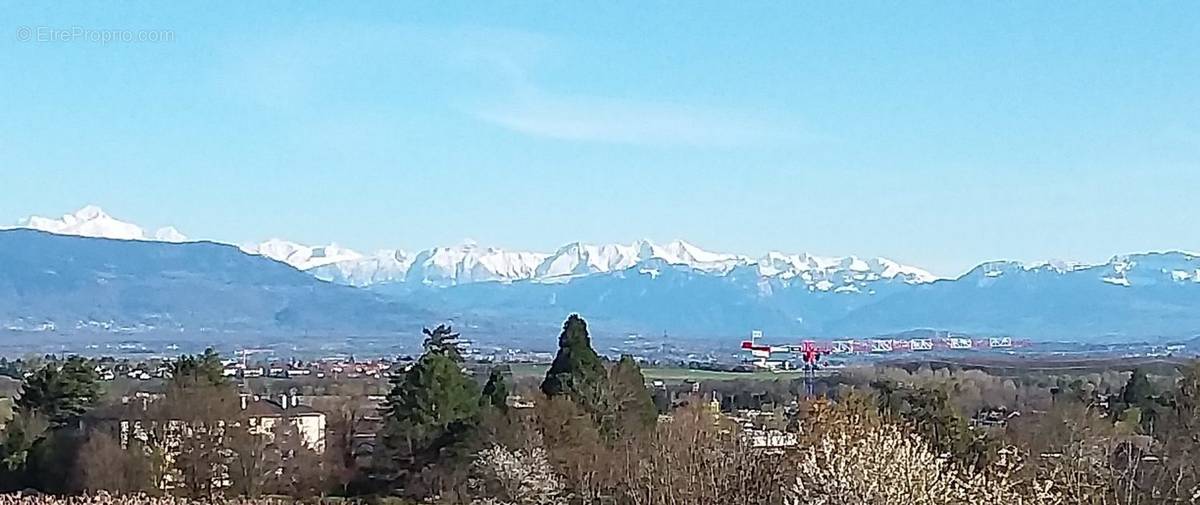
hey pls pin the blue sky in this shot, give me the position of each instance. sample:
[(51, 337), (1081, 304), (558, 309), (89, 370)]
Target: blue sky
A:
[(937, 133)]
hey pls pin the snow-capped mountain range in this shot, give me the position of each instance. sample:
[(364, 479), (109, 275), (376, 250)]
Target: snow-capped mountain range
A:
[(302, 257), (276, 286), (92, 221), (470, 263)]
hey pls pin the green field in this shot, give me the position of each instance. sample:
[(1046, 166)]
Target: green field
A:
[(523, 371)]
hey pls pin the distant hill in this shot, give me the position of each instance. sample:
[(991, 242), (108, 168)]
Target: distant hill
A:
[(70, 283), (1136, 297), (1139, 296)]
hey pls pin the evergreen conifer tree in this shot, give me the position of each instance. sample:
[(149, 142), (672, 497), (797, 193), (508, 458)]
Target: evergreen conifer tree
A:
[(432, 407), (198, 370), (1138, 406), (577, 371), (36, 447), (442, 340), (495, 392), (60, 394), (1138, 390)]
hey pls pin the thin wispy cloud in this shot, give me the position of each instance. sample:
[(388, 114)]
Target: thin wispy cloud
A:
[(318, 64), (495, 71), (616, 121)]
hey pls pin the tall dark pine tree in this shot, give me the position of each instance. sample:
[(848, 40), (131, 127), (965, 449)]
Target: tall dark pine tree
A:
[(1138, 402), (1138, 391), (432, 407), (633, 406), (577, 371), (495, 392), (442, 340)]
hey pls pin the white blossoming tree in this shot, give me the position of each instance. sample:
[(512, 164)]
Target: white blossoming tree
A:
[(521, 477)]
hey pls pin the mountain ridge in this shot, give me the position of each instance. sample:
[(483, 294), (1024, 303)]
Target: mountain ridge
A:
[(135, 286), (635, 287), (467, 263)]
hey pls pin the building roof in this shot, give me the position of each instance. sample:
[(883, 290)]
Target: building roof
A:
[(271, 408)]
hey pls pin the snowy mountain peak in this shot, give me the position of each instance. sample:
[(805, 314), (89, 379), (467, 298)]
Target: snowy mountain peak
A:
[(1124, 271), (471, 263), (678, 251), (92, 221), (840, 274), (169, 234), (301, 256), (88, 213), (1061, 266), (383, 267)]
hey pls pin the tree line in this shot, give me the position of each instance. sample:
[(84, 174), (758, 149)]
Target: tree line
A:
[(195, 441), (591, 432)]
